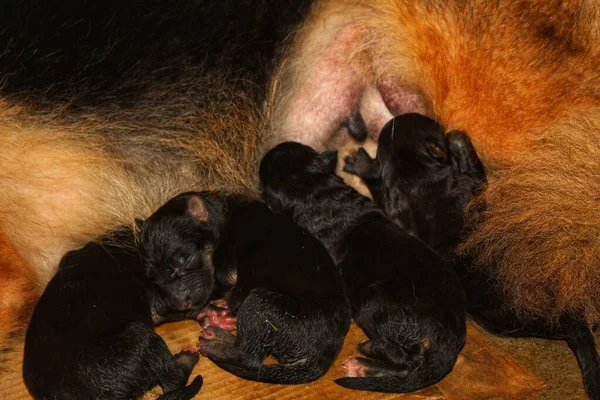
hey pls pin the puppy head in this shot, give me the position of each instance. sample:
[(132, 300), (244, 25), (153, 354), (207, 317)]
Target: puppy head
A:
[(412, 144), (290, 170), (177, 244)]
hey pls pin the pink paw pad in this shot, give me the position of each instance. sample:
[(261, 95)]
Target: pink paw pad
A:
[(219, 318), (202, 345), (353, 368), (208, 334)]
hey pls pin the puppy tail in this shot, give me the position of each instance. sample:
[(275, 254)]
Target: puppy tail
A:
[(387, 384), (581, 341), (185, 393), (286, 374)]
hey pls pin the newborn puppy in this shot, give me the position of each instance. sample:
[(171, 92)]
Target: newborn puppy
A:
[(414, 181), (92, 335), (407, 300), (420, 175), (279, 281)]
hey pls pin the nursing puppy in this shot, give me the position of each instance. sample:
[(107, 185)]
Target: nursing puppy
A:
[(422, 179), (407, 300), (278, 280), (92, 335), (421, 175)]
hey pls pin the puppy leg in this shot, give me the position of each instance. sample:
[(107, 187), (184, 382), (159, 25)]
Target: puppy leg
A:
[(174, 370), (366, 348), (218, 344), (356, 367), (185, 393), (186, 360), (258, 324)]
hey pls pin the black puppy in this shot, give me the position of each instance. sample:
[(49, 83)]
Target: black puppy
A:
[(279, 281), (422, 179), (407, 300), (92, 335), (420, 175)]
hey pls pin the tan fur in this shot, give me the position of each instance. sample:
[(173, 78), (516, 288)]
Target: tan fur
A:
[(18, 293), (541, 231), (64, 183), (506, 73)]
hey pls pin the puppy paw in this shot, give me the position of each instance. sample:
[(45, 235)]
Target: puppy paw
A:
[(216, 343), (217, 333), (218, 317), (187, 359), (353, 368), (358, 163), (366, 348)]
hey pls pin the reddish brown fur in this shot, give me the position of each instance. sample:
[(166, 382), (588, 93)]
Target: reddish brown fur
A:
[(541, 231), (506, 73), (66, 183), (19, 293)]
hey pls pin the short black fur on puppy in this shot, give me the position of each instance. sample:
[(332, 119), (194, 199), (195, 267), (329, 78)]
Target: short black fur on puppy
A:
[(177, 243), (279, 281), (420, 175), (413, 179), (407, 300), (92, 335)]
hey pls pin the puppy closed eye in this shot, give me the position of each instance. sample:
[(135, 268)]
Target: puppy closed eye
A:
[(435, 151), (180, 263)]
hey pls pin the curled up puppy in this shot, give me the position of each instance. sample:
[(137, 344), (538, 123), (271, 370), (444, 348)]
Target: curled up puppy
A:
[(409, 302), (92, 335), (422, 175), (279, 282)]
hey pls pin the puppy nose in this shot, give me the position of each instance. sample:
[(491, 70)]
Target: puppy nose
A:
[(184, 305)]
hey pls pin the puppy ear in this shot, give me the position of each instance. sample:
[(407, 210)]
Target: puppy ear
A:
[(435, 151), (197, 209), (329, 159)]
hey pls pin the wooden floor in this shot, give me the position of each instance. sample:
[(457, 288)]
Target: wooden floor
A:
[(483, 371)]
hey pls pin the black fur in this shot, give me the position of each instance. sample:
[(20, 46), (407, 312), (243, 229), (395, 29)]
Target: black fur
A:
[(92, 335), (280, 283), (177, 244), (413, 181), (406, 299), (108, 53), (410, 183)]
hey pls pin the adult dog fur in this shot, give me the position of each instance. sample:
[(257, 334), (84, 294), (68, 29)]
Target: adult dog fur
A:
[(128, 108), (422, 175)]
